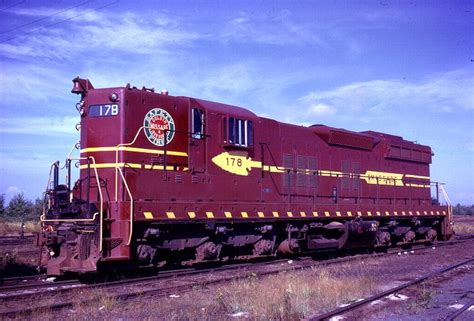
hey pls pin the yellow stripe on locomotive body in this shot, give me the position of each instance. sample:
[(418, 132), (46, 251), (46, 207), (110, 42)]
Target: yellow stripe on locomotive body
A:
[(239, 163), (132, 165), (132, 149), (416, 176)]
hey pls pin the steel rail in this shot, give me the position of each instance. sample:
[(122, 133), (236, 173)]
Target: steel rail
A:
[(303, 263), (18, 279), (16, 240), (380, 295), (24, 286), (460, 311)]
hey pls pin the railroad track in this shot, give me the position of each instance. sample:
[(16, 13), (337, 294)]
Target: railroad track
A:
[(166, 282), (12, 281), (339, 312), (460, 311), (16, 240), (33, 284)]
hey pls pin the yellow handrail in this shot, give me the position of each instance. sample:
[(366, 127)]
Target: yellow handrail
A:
[(448, 201), (118, 170), (69, 219), (116, 158), (131, 205)]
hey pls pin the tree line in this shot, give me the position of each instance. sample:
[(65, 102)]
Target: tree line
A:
[(463, 209), (22, 209)]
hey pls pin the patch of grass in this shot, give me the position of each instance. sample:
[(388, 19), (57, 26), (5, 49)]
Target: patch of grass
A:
[(286, 296), (10, 265), (100, 305), (423, 299), (14, 228), (463, 228)]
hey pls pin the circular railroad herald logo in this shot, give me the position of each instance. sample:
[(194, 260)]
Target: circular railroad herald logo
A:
[(158, 121)]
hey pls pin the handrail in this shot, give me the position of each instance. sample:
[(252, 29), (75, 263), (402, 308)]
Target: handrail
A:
[(118, 170), (47, 187), (273, 159), (70, 153), (116, 158), (448, 201), (101, 206), (68, 219), (131, 205), (118, 148)]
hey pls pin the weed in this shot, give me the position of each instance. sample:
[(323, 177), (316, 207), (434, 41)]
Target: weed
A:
[(463, 228), (14, 228), (10, 265)]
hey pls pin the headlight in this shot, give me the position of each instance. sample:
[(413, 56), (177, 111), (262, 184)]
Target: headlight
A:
[(114, 96)]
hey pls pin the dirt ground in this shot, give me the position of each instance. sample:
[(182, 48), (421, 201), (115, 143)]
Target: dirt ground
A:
[(464, 218), (432, 300)]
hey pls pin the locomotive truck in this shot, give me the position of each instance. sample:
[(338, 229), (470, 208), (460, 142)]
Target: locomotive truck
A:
[(178, 180)]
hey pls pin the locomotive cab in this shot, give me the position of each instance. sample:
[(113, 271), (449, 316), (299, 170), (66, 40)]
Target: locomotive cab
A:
[(130, 139)]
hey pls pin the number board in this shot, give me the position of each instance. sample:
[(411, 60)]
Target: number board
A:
[(103, 110)]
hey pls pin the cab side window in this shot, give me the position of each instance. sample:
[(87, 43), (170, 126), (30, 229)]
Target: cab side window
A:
[(239, 133), (197, 123)]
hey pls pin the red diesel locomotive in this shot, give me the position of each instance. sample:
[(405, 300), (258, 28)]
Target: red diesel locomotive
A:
[(167, 179)]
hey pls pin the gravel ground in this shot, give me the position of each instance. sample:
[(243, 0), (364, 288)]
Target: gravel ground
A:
[(428, 301), (431, 300)]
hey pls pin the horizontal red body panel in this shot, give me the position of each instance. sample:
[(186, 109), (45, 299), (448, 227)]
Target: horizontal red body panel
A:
[(292, 166)]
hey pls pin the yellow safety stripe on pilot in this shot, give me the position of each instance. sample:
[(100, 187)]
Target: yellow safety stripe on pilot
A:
[(210, 214), (132, 149), (171, 215), (148, 215)]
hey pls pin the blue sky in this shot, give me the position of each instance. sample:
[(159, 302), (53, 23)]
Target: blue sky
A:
[(401, 67)]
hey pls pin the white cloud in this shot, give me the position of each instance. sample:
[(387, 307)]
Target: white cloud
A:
[(235, 79), (440, 93), (39, 126), (321, 110), (55, 14), (276, 29), (36, 85), (96, 32), (13, 190)]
